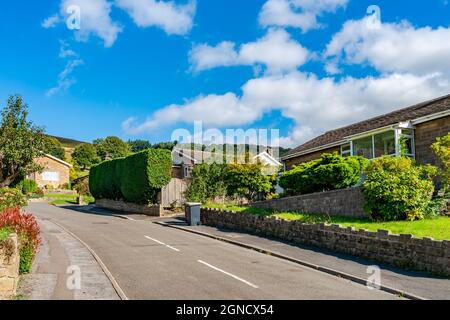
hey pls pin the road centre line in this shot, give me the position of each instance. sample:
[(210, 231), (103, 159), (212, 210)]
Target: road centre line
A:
[(228, 274), (162, 243)]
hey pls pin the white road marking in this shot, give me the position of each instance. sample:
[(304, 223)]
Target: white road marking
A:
[(162, 243), (228, 274)]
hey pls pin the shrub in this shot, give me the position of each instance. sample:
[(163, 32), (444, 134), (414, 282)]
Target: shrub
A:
[(136, 179), (65, 186), (442, 150), (11, 198), (398, 189), (248, 180), (82, 186), (330, 172), (207, 183), (28, 231), (29, 186)]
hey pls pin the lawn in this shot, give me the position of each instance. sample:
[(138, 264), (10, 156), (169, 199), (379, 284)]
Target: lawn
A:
[(437, 228), (62, 199)]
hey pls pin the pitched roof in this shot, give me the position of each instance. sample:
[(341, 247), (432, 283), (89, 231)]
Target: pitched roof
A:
[(406, 114), (57, 160)]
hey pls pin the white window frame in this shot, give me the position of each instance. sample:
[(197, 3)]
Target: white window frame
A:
[(397, 135), (51, 176)]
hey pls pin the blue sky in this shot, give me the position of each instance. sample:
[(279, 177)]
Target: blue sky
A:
[(141, 68)]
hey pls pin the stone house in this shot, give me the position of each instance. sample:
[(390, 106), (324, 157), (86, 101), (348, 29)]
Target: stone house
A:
[(420, 125), (184, 161), (56, 172)]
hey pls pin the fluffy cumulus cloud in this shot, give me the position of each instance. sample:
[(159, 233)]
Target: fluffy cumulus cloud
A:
[(95, 17), (171, 17), (315, 105), (301, 14), (95, 20), (392, 47), (277, 51)]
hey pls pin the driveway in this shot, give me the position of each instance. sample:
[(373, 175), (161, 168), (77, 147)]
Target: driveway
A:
[(150, 261)]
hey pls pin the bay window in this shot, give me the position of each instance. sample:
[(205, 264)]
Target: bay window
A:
[(393, 142)]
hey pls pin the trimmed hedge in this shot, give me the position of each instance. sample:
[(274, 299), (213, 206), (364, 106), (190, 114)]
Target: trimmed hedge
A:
[(135, 179)]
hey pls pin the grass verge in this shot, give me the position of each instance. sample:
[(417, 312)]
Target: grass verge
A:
[(62, 199), (437, 228)]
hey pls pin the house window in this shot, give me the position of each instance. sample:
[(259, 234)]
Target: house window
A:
[(187, 172), (363, 147), (384, 144), (346, 150), (388, 143), (407, 142), (50, 176)]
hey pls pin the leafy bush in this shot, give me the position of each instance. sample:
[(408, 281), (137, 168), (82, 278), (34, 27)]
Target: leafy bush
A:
[(442, 150), (27, 229), (11, 198), (136, 179), (29, 186), (248, 180), (330, 172), (398, 189), (207, 183), (82, 186), (436, 207)]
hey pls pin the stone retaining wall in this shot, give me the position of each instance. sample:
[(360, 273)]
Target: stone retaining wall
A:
[(9, 267), (404, 251), (347, 202), (150, 210)]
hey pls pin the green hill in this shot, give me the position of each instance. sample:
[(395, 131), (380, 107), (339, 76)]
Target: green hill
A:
[(68, 143)]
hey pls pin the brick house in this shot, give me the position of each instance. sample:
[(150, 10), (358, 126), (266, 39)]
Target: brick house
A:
[(56, 172), (420, 124)]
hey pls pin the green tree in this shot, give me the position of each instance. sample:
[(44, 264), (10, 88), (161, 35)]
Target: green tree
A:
[(207, 183), (139, 145), (248, 180), (54, 148), (442, 150), (85, 156), (111, 148), (20, 142), (165, 145)]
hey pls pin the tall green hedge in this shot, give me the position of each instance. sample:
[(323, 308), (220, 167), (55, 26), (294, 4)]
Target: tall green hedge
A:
[(136, 179)]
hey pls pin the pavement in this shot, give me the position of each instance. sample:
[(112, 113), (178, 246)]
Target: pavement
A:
[(151, 261), (60, 257)]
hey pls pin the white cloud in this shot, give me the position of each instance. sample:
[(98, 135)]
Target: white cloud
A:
[(65, 79), (95, 20), (315, 105), (301, 14), (276, 50), (51, 21), (65, 51), (172, 18), (393, 47)]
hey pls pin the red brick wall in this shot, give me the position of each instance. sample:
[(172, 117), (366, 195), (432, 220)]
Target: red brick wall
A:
[(308, 157), (426, 134)]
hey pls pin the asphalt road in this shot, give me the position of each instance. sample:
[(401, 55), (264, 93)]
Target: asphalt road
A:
[(150, 261)]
